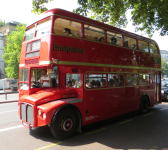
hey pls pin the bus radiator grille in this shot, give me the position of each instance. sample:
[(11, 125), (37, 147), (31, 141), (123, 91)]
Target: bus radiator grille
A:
[(27, 113)]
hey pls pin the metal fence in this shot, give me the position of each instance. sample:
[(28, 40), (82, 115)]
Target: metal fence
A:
[(9, 84)]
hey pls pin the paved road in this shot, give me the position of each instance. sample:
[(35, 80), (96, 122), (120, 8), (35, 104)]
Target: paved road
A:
[(8, 113), (136, 131)]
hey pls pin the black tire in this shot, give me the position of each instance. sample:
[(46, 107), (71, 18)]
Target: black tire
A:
[(65, 124), (144, 105)]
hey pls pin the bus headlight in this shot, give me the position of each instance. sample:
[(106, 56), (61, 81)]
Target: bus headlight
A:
[(44, 116), (39, 112)]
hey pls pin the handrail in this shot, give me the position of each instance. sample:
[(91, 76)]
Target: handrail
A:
[(5, 93)]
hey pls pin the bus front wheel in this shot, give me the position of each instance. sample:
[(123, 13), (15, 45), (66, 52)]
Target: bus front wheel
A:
[(144, 105), (65, 124)]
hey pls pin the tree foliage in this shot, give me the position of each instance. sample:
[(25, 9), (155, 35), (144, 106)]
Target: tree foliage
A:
[(1, 23), (164, 67), (147, 15), (38, 6), (12, 51)]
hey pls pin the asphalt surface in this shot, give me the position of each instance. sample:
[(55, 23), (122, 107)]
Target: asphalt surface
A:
[(8, 113), (137, 131)]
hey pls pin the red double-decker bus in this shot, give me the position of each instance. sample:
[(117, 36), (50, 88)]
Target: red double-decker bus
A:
[(75, 71)]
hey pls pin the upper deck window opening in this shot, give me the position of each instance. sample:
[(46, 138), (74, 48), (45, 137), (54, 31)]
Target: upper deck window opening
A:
[(29, 33), (143, 46), (94, 34), (130, 42), (114, 38), (153, 49), (28, 47), (67, 27), (43, 28)]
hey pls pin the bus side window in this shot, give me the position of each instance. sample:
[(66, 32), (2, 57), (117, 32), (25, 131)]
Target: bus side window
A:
[(153, 49), (114, 39), (93, 33), (73, 80), (143, 46), (75, 27), (130, 42), (115, 80), (143, 79), (95, 80), (131, 79)]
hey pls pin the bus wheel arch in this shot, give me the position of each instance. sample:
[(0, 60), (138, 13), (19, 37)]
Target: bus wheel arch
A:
[(70, 115), (144, 103)]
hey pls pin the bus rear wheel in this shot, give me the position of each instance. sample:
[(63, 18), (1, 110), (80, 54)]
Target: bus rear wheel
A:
[(65, 124), (144, 105)]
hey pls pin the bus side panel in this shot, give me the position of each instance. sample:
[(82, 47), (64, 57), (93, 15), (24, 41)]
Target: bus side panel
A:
[(96, 102), (132, 99), (44, 49), (22, 54), (145, 59), (116, 101), (65, 49)]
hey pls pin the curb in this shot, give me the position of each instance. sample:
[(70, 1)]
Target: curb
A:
[(8, 101)]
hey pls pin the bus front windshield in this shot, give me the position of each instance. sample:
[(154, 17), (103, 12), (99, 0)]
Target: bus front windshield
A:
[(24, 74), (42, 78)]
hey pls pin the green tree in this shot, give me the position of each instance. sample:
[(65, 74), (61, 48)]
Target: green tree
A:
[(1, 23), (164, 67), (147, 15), (38, 6), (12, 51)]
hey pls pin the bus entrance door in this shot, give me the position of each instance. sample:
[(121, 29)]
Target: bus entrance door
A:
[(157, 85)]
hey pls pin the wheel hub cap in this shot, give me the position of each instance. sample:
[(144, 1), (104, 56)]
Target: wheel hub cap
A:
[(67, 124)]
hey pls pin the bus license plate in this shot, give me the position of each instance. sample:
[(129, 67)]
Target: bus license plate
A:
[(26, 124)]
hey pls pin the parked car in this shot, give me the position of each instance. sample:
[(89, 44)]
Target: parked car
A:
[(164, 89)]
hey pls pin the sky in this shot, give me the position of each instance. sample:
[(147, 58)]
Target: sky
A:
[(20, 11)]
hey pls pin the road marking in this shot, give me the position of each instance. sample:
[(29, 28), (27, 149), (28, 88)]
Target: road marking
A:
[(148, 114), (48, 146), (11, 128), (95, 131), (9, 124), (7, 111), (125, 121), (163, 109)]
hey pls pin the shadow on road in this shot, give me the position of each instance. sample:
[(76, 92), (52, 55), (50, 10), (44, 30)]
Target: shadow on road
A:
[(141, 132)]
